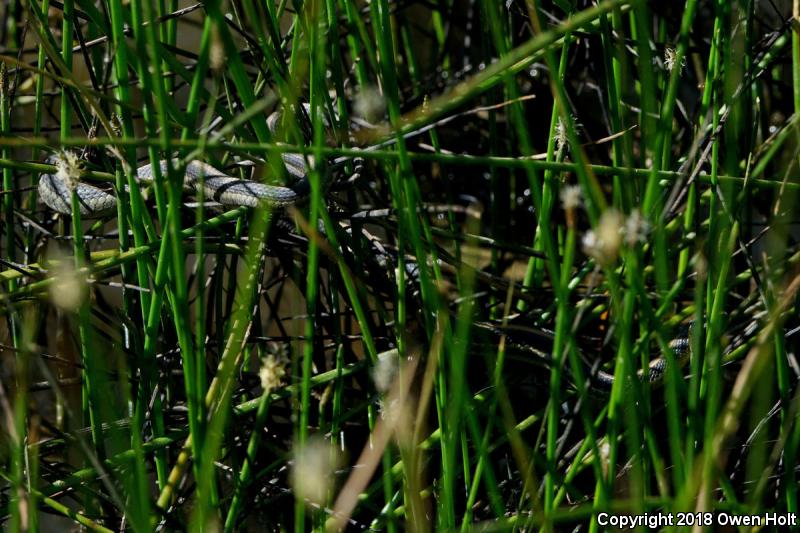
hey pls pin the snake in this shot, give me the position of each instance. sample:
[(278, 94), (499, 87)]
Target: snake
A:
[(538, 342), (55, 191), (655, 371), (227, 190)]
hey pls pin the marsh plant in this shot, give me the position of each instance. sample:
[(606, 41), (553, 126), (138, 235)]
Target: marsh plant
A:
[(397, 264)]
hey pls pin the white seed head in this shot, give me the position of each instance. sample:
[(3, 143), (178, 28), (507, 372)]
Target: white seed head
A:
[(388, 408), (603, 242), (370, 104), (571, 197), (312, 470), (67, 288), (671, 60), (385, 370), (216, 52), (68, 168), (561, 135), (700, 265), (397, 413), (271, 373), (636, 228), (604, 451)]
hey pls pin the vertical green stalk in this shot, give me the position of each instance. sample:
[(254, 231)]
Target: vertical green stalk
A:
[(534, 276), (18, 499), (8, 185), (793, 442), (168, 207), (312, 18), (132, 209), (406, 197), (90, 374)]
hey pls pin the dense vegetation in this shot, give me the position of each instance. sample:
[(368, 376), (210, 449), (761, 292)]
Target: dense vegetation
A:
[(547, 266)]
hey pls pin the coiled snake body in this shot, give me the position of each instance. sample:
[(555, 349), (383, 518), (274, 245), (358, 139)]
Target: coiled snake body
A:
[(94, 202)]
